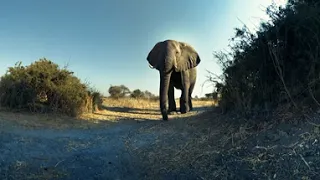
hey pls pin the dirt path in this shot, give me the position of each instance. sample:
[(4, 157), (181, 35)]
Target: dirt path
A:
[(83, 154), (105, 151), (130, 143)]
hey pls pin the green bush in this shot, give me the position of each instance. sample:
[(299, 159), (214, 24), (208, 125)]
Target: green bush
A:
[(137, 93), (97, 100), (118, 91), (43, 87), (278, 64)]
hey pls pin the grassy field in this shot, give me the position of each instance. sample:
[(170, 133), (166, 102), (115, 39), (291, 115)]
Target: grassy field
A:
[(139, 109), (112, 111)]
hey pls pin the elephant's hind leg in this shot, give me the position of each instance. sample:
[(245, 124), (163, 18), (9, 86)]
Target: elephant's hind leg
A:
[(190, 103)]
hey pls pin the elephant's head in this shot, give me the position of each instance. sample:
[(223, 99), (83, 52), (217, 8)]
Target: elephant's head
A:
[(170, 54)]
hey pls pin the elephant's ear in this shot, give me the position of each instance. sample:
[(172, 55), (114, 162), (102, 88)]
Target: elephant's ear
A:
[(154, 55), (189, 58)]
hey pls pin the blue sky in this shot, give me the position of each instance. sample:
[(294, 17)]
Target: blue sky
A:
[(106, 42)]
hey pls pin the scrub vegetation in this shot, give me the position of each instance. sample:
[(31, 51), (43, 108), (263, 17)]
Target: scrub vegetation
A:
[(261, 121)]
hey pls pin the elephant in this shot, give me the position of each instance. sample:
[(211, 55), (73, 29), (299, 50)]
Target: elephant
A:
[(177, 65)]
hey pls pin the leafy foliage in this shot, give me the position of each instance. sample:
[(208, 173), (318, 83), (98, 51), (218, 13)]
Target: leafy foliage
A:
[(96, 100), (278, 64), (43, 87), (118, 91), (122, 91), (149, 95), (137, 93)]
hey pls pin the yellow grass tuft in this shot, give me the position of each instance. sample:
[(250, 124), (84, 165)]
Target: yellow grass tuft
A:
[(137, 109), (146, 104), (113, 110)]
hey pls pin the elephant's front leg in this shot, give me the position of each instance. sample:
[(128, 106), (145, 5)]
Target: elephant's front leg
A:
[(172, 102), (164, 88), (184, 101)]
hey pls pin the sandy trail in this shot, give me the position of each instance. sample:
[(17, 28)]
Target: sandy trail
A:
[(102, 151), (128, 142)]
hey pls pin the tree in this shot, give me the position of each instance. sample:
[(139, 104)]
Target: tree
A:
[(213, 95), (118, 91), (137, 93), (148, 95)]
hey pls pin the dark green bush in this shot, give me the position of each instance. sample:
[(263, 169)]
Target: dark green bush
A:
[(278, 64), (43, 87), (97, 100), (118, 91), (137, 93)]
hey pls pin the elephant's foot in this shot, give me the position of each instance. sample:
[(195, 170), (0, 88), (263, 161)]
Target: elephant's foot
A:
[(172, 110), (190, 105), (164, 115), (184, 110), (184, 106)]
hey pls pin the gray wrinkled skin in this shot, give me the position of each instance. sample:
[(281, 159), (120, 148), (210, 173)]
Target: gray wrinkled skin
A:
[(176, 63)]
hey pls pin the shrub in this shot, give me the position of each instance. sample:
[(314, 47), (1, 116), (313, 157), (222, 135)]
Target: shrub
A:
[(118, 91), (43, 87), (97, 100), (137, 93), (276, 65)]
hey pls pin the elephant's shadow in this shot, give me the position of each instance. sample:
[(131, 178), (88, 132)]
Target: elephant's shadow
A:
[(131, 110), (143, 112)]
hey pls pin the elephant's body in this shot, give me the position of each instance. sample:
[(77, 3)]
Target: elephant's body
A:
[(176, 78), (176, 63), (190, 77)]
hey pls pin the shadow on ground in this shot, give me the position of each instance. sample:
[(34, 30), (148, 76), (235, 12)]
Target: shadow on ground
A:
[(124, 109), (143, 111), (56, 147), (203, 146), (130, 110)]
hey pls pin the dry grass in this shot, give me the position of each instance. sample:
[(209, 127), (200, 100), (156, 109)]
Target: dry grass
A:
[(112, 111), (182, 144), (207, 146), (147, 104), (28, 120), (138, 109), (213, 146)]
